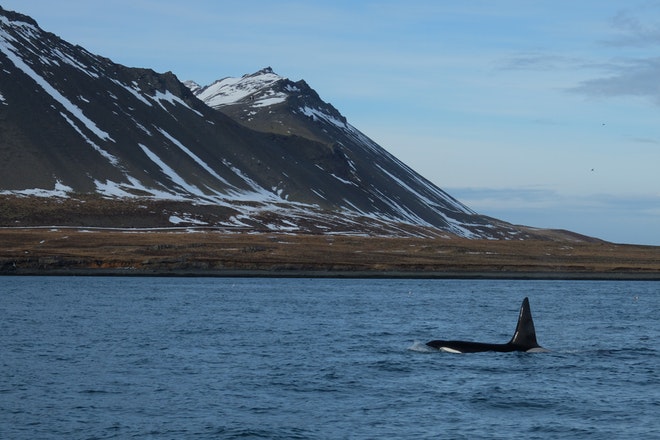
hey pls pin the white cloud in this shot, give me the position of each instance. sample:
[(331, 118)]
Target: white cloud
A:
[(638, 77), (634, 31)]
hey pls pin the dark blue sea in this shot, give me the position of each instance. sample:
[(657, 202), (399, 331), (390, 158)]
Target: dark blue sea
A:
[(227, 358)]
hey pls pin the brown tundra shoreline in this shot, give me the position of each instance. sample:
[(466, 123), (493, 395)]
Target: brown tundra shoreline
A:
[(182, 252)]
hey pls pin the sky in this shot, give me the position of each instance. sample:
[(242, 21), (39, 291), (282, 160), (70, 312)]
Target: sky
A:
[(543, 113)]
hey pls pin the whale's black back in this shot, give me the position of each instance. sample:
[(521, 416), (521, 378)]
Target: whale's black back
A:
[(524, 338)]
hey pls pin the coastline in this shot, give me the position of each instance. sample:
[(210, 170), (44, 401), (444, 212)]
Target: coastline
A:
[(182, 253), (456, 275)]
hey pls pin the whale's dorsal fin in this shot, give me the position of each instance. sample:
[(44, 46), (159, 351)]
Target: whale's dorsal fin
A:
[(525, 334)]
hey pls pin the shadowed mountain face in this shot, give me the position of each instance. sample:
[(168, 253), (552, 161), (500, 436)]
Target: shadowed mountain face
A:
[(258, 152)]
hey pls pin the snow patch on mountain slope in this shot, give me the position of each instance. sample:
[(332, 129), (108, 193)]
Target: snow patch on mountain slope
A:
[(344, 181), (112, 189), (67, 59), (258, 194), (272, 98), (60, 190), (421, 197), (171, 174), (112, 159), (135, 91), (187, 219), (230, 90), (194, 157), (168, 96), (320, 114)]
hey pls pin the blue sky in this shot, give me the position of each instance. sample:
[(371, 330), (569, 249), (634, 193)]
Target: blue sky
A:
[(542, 113)]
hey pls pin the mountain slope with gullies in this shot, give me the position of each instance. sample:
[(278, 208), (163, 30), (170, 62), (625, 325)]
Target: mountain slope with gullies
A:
[(85, 141)]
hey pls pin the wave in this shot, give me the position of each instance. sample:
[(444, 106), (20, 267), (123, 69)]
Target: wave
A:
[(421, 347)]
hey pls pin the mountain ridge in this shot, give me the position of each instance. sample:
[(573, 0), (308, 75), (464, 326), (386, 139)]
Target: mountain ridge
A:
[(80, 128)]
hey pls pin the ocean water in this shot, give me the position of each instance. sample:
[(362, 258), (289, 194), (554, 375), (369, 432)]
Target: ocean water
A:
[(228, 358)]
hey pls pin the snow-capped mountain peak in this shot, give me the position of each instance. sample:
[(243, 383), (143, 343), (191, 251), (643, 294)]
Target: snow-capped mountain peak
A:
[(269, 102), (255, 89)]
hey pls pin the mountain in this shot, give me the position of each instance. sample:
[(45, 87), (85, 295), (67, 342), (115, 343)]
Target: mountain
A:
[(107, 145)]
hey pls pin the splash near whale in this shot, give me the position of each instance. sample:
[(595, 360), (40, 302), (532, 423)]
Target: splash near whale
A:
[(524, 338)]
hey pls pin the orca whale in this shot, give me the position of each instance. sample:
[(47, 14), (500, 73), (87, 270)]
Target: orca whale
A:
[(524, 338)]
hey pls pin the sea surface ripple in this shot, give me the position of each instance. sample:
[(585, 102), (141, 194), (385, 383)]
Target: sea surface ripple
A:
[(258, 358)]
